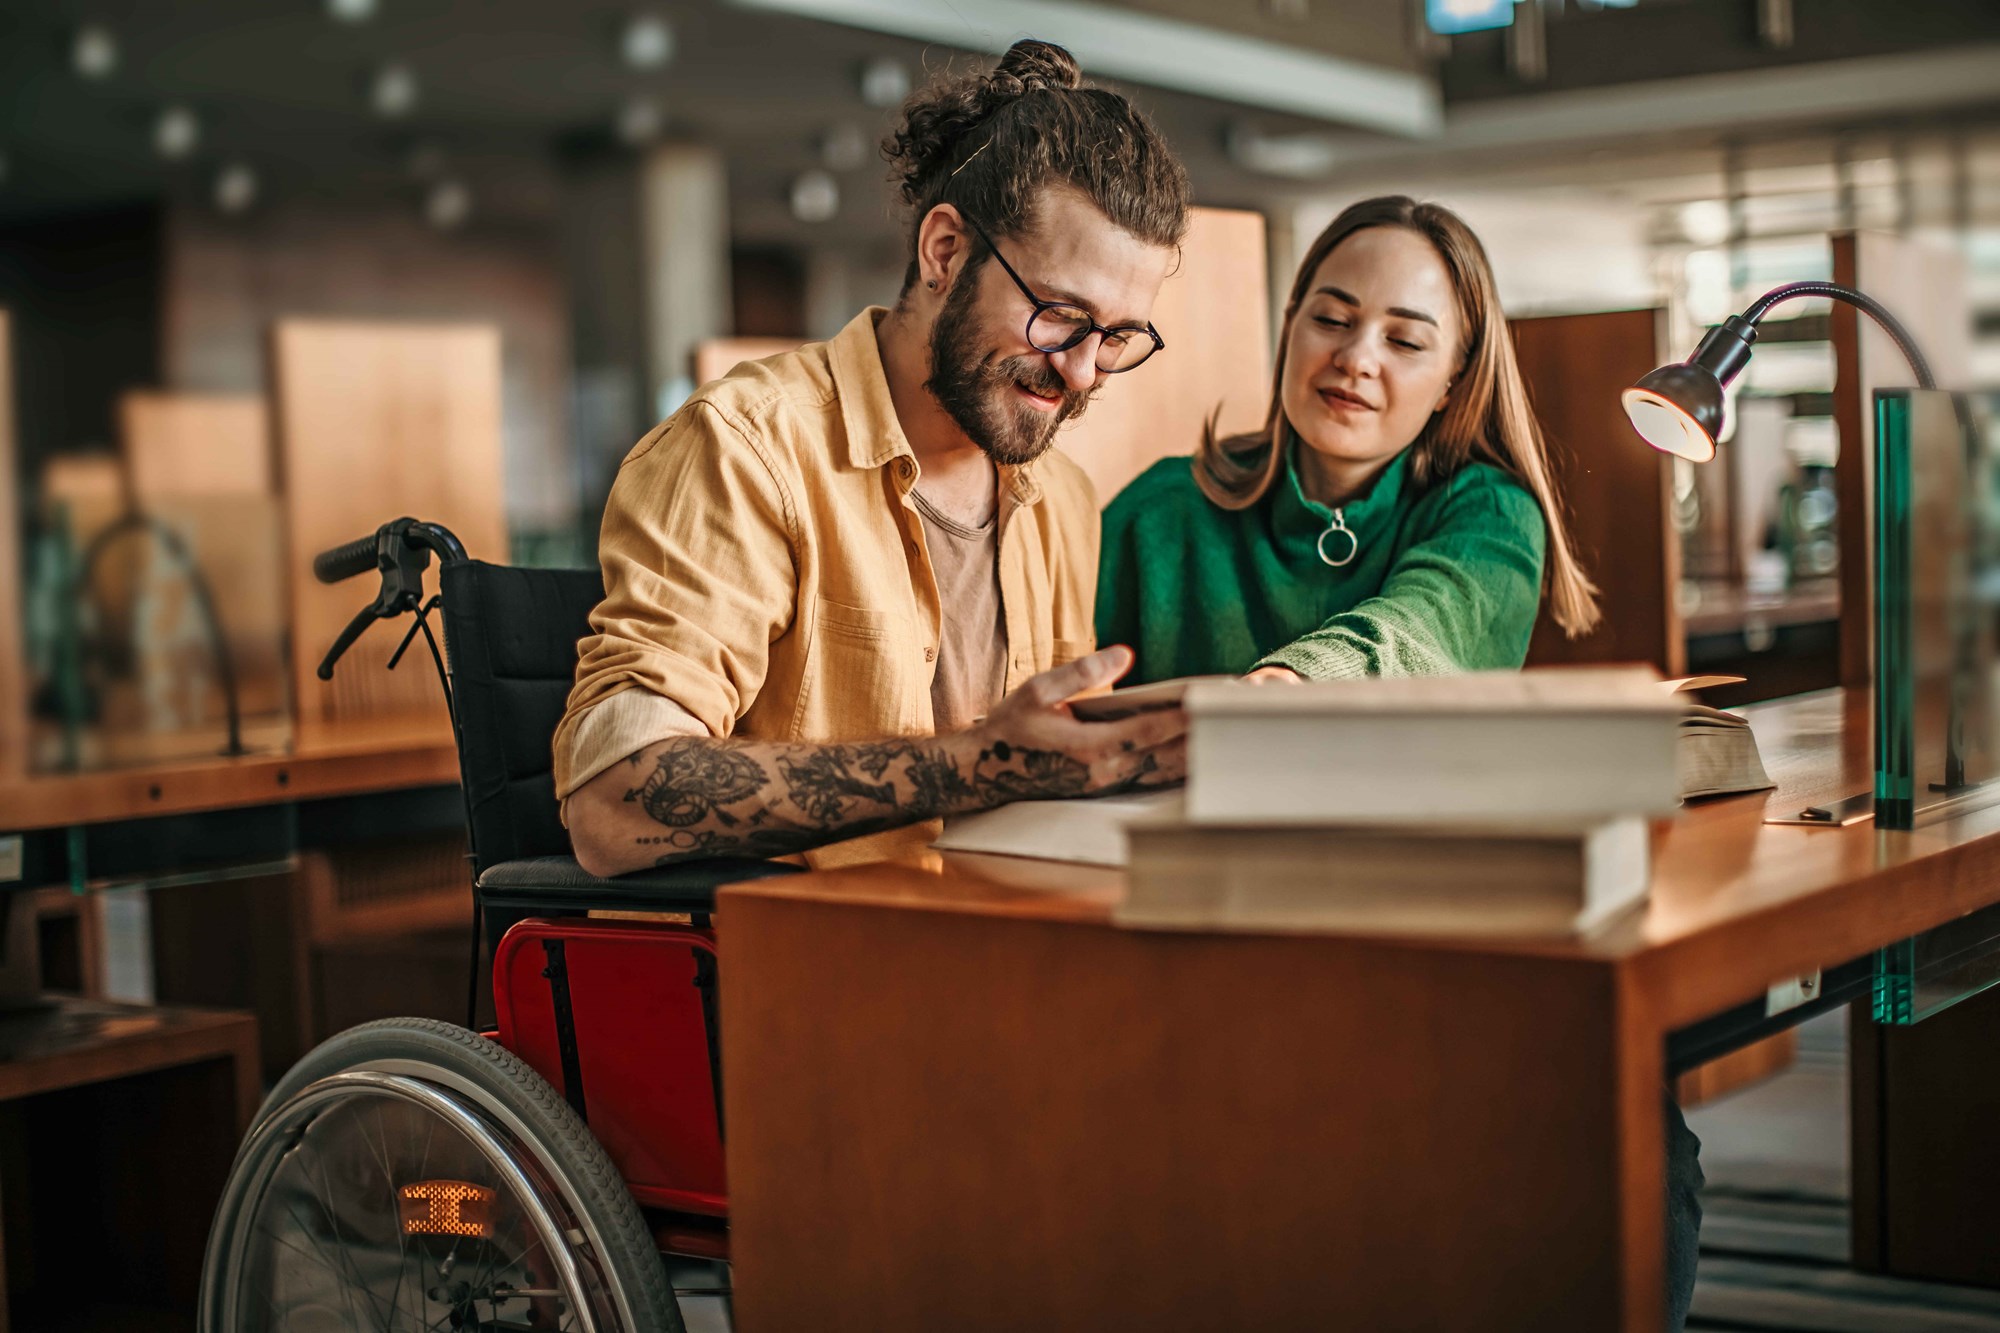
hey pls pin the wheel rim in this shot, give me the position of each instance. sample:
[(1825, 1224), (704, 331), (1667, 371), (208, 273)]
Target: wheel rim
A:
[(381, 1202)]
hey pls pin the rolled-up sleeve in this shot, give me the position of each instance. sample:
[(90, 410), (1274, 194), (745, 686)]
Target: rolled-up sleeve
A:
[(697, 550)]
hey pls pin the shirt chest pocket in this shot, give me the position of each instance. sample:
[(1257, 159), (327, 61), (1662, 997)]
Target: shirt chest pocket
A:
[(856, 683)]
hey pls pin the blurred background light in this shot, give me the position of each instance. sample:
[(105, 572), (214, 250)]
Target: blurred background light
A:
[(647, 41), (1705, 221), (815, 196), (351, 11), (235, 188), (448, 205), (94, 53), (176, 133), (1449, 16), (640, 120), (885, 82), (844, 147), (1710, 292), (393, 93)]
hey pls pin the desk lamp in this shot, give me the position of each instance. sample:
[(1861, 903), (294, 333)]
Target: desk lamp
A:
[(1678, 409)]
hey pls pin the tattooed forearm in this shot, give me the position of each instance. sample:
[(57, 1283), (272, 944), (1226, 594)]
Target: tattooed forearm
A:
[(703, 797)]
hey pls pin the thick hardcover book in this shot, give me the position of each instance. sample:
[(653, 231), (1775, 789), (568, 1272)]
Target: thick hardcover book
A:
[(1573, 745), (1441, 880)]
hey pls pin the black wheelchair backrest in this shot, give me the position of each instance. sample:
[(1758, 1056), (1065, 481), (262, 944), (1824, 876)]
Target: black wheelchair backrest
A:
[(511, 636)]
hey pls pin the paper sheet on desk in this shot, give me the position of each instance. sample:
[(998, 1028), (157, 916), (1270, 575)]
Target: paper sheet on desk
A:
[(1087, 832)]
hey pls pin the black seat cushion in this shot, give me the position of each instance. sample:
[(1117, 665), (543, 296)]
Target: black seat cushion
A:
[(559, 884)]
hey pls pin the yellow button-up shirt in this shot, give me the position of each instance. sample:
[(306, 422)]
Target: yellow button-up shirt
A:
[(766, 576)]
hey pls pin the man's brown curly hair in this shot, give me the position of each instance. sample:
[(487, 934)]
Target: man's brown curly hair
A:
[(990, 143)]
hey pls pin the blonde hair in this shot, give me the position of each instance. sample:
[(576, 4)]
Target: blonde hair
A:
[(1487, 418)]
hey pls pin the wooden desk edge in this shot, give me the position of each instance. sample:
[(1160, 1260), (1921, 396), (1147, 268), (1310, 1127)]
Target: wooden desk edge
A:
[(306, 773), (205, 1034)]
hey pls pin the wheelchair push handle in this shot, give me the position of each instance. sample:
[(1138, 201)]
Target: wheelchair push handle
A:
[(344, 562), (401, 550)]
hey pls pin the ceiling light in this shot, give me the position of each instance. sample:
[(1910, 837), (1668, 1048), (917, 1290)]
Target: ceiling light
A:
[(1706, 221), (815, 196), (1300, 155), (844, 148), (885, 82), (647, 41), (351, 11), (94, 54), (176, 133), (640, 121), (235, 188), (394, 91), (448, 205), (1449, 16)]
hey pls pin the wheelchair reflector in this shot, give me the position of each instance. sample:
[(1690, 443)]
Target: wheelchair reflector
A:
[(446, 1208)]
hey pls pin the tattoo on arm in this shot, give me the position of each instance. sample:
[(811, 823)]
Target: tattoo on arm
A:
[(723, 798)]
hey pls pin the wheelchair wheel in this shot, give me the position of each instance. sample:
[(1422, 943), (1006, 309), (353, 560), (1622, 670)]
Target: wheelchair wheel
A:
[(409, 1174)]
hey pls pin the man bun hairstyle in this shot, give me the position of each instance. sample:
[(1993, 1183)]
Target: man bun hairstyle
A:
[(990, 143)]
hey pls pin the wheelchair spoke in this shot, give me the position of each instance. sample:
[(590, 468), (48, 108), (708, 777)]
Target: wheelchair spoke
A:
[(388, 1183), (332, 1236)]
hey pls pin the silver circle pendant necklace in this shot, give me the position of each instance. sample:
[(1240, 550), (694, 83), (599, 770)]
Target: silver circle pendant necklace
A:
[(1344, 545)]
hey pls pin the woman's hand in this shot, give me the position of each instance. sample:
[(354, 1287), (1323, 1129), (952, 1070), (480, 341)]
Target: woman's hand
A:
[(1274, 674)]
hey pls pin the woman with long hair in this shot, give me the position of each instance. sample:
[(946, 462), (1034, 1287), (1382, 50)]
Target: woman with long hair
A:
[(1395, 515)]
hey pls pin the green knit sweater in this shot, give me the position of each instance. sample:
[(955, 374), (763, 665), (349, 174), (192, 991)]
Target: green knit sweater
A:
[(1442, 579)]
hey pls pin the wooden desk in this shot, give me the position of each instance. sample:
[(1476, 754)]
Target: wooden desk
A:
[(959, 1097), (334, 759), (120, 1122)]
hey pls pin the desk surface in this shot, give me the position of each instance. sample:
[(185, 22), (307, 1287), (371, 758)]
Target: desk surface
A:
[(1736, 904), (960, 1072), (343, 759)]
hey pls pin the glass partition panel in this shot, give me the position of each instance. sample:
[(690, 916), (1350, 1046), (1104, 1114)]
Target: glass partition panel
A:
[(1937, 603)]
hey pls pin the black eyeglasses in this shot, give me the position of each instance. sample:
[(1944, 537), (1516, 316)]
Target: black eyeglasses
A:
[(1057, 326)]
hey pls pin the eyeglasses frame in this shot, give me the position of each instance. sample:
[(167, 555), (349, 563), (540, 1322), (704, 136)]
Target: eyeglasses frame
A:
[(1159, 343)]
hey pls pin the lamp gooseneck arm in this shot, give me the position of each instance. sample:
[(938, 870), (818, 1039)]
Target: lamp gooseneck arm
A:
[(1866, 304)]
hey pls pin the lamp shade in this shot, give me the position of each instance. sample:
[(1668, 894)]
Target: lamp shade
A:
[(1678, 410)]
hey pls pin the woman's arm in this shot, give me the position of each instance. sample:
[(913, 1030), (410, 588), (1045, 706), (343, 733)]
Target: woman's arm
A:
[(1463, 598)]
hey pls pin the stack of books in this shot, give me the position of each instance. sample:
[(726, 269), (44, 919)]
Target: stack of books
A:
[(1505, 802)]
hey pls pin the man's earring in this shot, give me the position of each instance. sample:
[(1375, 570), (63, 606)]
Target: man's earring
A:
[(932, 284)]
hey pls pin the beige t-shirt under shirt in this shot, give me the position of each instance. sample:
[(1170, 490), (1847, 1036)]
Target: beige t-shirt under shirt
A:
[(972, 638)]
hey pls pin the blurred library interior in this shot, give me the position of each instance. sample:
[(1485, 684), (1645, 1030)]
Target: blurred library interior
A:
[(276, 272)]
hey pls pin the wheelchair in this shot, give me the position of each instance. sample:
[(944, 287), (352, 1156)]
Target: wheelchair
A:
[(414, 1174)]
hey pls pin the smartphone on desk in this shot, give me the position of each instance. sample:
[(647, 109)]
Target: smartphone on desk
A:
[(1134, 699)]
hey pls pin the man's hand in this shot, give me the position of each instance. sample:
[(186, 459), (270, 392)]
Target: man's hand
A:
[(1031, 747), (1274, 675)]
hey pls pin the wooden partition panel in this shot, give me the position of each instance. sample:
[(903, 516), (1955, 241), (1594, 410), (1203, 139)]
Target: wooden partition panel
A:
[(13, 645), (195, 444), (375, 421), (1214, 312), (1616, 492), (1927, 289), (716, 357)]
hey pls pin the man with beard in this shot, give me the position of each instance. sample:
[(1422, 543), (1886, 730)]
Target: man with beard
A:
[(848, 589)]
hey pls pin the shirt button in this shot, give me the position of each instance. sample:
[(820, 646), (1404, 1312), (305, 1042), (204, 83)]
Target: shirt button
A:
[(930, 653)]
